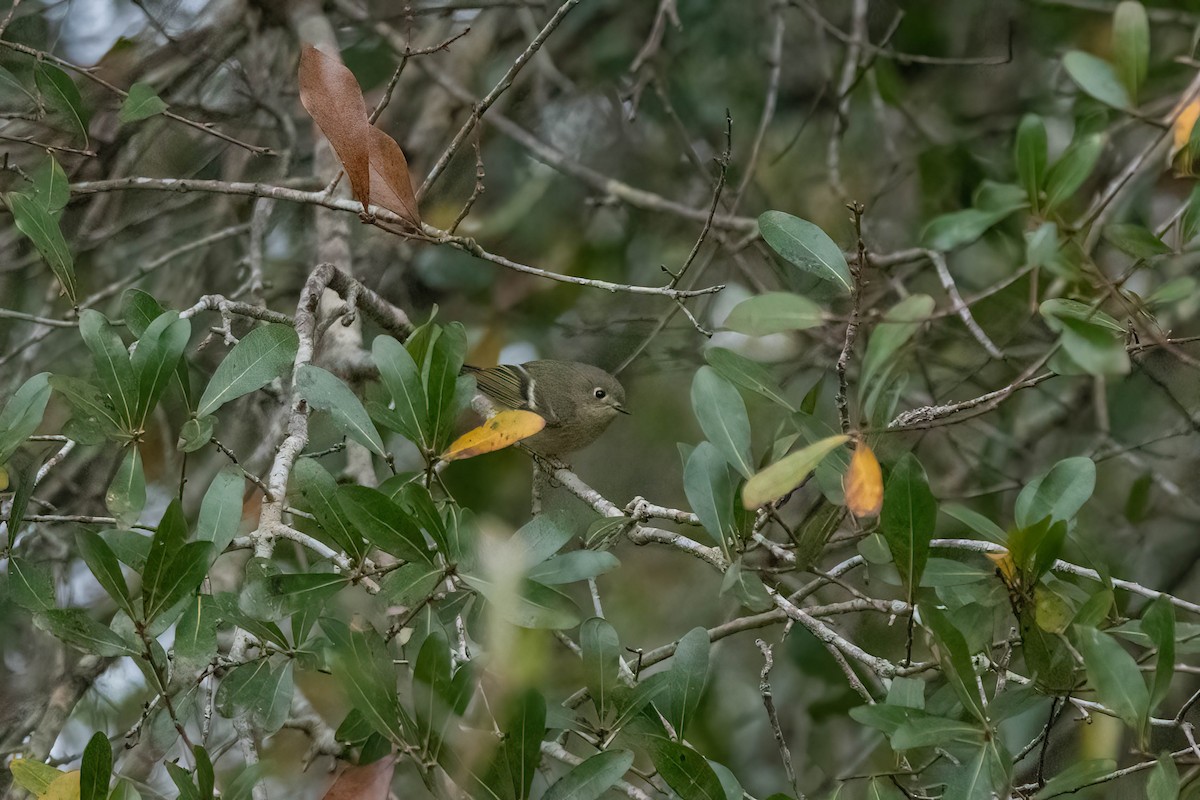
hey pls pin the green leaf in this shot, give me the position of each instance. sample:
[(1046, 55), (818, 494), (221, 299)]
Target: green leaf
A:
[(324, 391), (439, 351), (687, 772), (196, 433), (986, 775), (51, 185), (112, 365), (1072, 169), (23, 414), (774, 312), (542, 537), (126, 495), (519, 753), (575, 566), (62, 97), (531, 606), (601, 662), (261, 691), (43, 230), (935, 732), (1058, 493), (899, 325), (1135, 240), (262, 355), (402, 378), (221, 509), (592, 778), (1030, 155), (687, 676), (746, 587), (103, 564), (1075, 777), (806, 246), (30, 585), (173, 569), (958, 228), (722, 415), (411, 582), (360, 661), (302, 590), (96, 768), (1088, 348), (77, 628), (1115, 676), (156, 358), (1058, 309), (709, 489), (91, 409), (747, 374), (883, 789), (1189, 223), (432, 690), (907, 520), (955, 659), (1159, 624), (788, 473), (141, 103), (319, 490), (1163, 783), (382, 522), (1131, 44), (1097, 78)]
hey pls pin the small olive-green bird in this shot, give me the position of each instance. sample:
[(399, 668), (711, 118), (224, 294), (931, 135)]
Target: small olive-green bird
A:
[(578, 401)]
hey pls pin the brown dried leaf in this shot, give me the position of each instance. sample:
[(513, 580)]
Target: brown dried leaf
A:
[(332, 97), (391, 184), (502, 430), (863, 483), (369, 782)]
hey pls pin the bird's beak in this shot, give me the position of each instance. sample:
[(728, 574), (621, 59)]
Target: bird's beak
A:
[(623, 410)]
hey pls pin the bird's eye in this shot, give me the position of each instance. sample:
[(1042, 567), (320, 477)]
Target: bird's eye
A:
[(600, 394)]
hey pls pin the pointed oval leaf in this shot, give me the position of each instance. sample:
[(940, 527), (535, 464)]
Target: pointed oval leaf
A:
[(806, 246), (23, 413), (42, 228), (1058, 493), (722, 415), (774, 312), (141, 103), (324, 391), (1097, 78), (592, 778), (503, 430), (788, 473), (126, 495), (1073, 168), (262, 355), (331, 95), (1030, 154), (1131, 44)]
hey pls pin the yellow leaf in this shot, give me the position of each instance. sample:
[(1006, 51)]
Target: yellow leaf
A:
[(34, 776), (863, 483), (64, 787), (1005, 566), (789, 472), (3, 479), (502, 430), (1182, 129)]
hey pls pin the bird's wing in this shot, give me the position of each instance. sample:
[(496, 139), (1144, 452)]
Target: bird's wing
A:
[(508, 385)]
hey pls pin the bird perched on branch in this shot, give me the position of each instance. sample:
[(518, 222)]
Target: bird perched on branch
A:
[(578, 401)]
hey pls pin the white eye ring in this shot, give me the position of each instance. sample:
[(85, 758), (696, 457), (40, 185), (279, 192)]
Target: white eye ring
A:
[(599, 393)]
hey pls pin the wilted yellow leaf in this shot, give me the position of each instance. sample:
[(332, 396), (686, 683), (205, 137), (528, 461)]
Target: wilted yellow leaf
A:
[(863, 483), (34, 776), (502, 430), (64, 787), (789, 472), (1006, 567), (1182, 130)]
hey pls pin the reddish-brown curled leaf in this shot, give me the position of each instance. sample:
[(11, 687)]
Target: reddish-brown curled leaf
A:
[(502, 430), (331, 96), (391, 185), (863, 483), (369, 782)]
